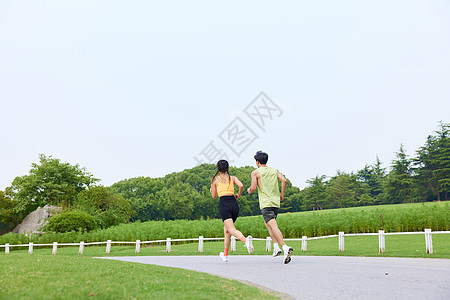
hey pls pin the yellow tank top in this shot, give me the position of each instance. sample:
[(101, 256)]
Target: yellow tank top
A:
[(225, 188)]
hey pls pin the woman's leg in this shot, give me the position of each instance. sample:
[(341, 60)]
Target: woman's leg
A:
[(229, 226), (227, 241)]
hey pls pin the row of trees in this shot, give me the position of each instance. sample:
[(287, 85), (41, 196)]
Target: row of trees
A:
[(185, 195), (423, 177)]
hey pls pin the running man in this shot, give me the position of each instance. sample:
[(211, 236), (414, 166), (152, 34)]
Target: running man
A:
[(266, 179), (228, 206)]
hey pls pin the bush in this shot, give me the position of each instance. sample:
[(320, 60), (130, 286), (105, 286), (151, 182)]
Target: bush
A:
[(71, 221), (106, 208)]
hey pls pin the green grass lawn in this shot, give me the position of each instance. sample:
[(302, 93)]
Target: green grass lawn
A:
[(44, 276)]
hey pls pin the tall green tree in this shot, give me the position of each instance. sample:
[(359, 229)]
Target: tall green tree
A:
[(426, 165), (7, 214), (433, 163), (297, 199), (399, 183), (373, 176), (443, 159), (49, 182), (291, 202), (341, 190), (315, 195)]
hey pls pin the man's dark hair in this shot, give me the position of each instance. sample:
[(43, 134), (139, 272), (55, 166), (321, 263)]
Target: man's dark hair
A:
[(262, 157)]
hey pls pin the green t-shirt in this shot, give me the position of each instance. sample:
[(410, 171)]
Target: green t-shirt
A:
[(268, 192)]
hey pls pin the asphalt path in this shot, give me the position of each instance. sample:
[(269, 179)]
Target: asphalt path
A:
[(324, 277)]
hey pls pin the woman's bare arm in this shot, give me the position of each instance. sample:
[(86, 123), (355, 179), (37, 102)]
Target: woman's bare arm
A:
[(213, 189), (240, 185)]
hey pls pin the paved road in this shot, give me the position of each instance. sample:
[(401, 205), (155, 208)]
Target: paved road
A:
[(325, 277)]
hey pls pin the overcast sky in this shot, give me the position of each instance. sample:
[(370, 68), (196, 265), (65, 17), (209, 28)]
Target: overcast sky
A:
[(147, 88)]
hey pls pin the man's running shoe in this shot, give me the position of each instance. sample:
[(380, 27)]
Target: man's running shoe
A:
[(223, 257), (277, 252), (287, 255), (249, 244)]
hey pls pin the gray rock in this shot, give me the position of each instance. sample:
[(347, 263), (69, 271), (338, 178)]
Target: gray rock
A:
[(35, 220)]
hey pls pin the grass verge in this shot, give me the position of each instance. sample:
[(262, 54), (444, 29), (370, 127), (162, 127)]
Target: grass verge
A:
[(44, 276)]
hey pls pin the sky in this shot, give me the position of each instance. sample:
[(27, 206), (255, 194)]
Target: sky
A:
[(147, 88)]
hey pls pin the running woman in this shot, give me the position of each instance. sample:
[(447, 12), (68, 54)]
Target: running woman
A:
[(223, 185), (266, 179)]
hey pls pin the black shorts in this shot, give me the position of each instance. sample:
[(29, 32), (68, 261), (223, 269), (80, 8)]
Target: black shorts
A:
[(269, 213), (228, 208)]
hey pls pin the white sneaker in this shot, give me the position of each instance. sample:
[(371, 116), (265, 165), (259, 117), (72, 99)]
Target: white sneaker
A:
[(276, 252), (223, 257), (249, 244), (287, 255)]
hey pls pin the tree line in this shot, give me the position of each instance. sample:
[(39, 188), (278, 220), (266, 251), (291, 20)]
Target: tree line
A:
[(185, 195), (425, 176), (420, 178)]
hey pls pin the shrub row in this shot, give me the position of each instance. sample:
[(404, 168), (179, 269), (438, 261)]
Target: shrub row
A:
[(391, 218)]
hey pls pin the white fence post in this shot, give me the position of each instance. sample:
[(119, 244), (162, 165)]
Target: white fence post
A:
[(168, 245), (7, 248), (108, 247), (55, 248), (428, 241), (30, 248), (200, 244), (268, 244), (80, 251), (304, 243), (138, 246), (233, 244), (381, 241), (341, 241)]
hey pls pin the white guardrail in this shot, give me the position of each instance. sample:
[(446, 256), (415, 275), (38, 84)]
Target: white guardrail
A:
[(381, 242)]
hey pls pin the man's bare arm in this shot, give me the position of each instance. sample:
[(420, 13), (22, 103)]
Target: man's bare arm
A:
[(283, 185), (254, 183)]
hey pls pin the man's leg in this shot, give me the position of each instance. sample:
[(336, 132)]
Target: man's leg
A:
[(276, 247), (279, 236), (274, 239), (275, 233)]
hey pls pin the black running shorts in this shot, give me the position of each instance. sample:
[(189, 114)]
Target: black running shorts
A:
[(269, 213), (228, 208)]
